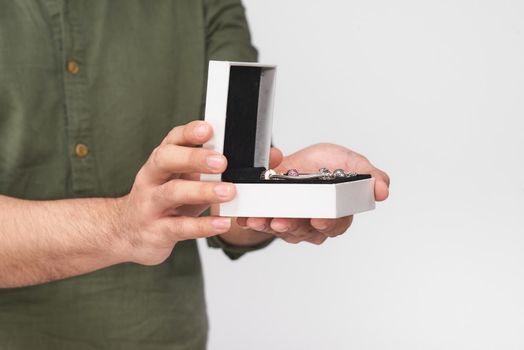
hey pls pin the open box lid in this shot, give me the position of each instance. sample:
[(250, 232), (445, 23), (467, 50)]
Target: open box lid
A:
[(239, 107)]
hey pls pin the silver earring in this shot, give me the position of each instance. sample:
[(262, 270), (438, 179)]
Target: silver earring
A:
[(293, 174)]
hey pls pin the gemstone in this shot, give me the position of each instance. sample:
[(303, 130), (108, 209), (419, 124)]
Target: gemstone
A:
[(339, 173), (292, 172), (266, 175), (324, 171)]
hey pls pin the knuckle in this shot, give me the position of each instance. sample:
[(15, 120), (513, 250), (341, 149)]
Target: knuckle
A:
[(139, 181), (191, 156), (160, 192), (190, 228), (208, 191), (157, 157), (198, 228), (184, 158), (196, 154), (182, 197), (168, 190), (179, 228), (184, 194), (204, 226)]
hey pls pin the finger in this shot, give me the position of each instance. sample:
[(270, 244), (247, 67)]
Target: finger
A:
[(382, 179), (283, 225), (296, 227), (381, 189), (170, 159), (323, 225), (195, 133), (290, 238), (183, 192), (259, 224), (242, 222), (183, 227), (192, 210), (332, 227), (317, 238), (275, 157)]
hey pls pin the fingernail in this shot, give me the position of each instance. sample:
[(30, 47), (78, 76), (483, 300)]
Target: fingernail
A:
[(215, 162), (223, 191), (260, 227), (322, 227), (201, 130), (221, 223)]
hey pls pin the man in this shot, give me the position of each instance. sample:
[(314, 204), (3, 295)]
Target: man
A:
[(98, 207)]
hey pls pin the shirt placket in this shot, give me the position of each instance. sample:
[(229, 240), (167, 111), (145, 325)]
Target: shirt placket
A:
[(79, 122)]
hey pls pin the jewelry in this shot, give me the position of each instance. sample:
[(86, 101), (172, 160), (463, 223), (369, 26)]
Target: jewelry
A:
[(324, 171), (293, 174), (268, 174), (339, 173)]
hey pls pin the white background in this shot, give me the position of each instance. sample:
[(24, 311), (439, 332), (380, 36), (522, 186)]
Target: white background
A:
[(433, 93)]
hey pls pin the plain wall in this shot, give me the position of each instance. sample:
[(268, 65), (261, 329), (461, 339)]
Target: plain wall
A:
[(433, 93)]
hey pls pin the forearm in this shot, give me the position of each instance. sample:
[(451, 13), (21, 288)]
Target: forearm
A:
[(42, 241)]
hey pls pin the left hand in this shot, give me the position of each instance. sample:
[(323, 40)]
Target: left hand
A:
[(311, 159)]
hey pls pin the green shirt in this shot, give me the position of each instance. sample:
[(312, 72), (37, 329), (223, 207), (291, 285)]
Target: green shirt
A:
[(87, 89)]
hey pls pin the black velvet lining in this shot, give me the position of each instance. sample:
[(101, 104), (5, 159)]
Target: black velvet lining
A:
[(241, 117)]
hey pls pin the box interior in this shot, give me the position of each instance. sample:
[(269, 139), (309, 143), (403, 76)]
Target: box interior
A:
[(242, 116), (248, 126), (252, 176)]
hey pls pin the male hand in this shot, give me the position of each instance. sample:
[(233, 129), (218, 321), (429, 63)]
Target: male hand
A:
[(311, 159), (165, 199)]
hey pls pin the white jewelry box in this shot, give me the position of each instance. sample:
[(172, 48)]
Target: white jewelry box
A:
[(239, 106)]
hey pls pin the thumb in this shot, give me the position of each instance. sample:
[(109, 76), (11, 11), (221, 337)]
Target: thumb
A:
[(275, 157)]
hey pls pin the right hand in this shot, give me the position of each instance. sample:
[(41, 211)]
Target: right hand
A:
[(165, 199)]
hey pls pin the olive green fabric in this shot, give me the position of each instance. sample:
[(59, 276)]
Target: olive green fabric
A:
[(115, 76)]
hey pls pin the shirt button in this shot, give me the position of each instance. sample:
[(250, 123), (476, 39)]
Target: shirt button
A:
[(72, 67), (81, 150)]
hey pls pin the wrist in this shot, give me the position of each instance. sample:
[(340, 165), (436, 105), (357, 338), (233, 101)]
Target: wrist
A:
[(117, 229)]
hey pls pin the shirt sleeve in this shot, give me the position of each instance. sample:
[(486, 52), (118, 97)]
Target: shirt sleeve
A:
[(227, 32), (235, 252), (228, 39)]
